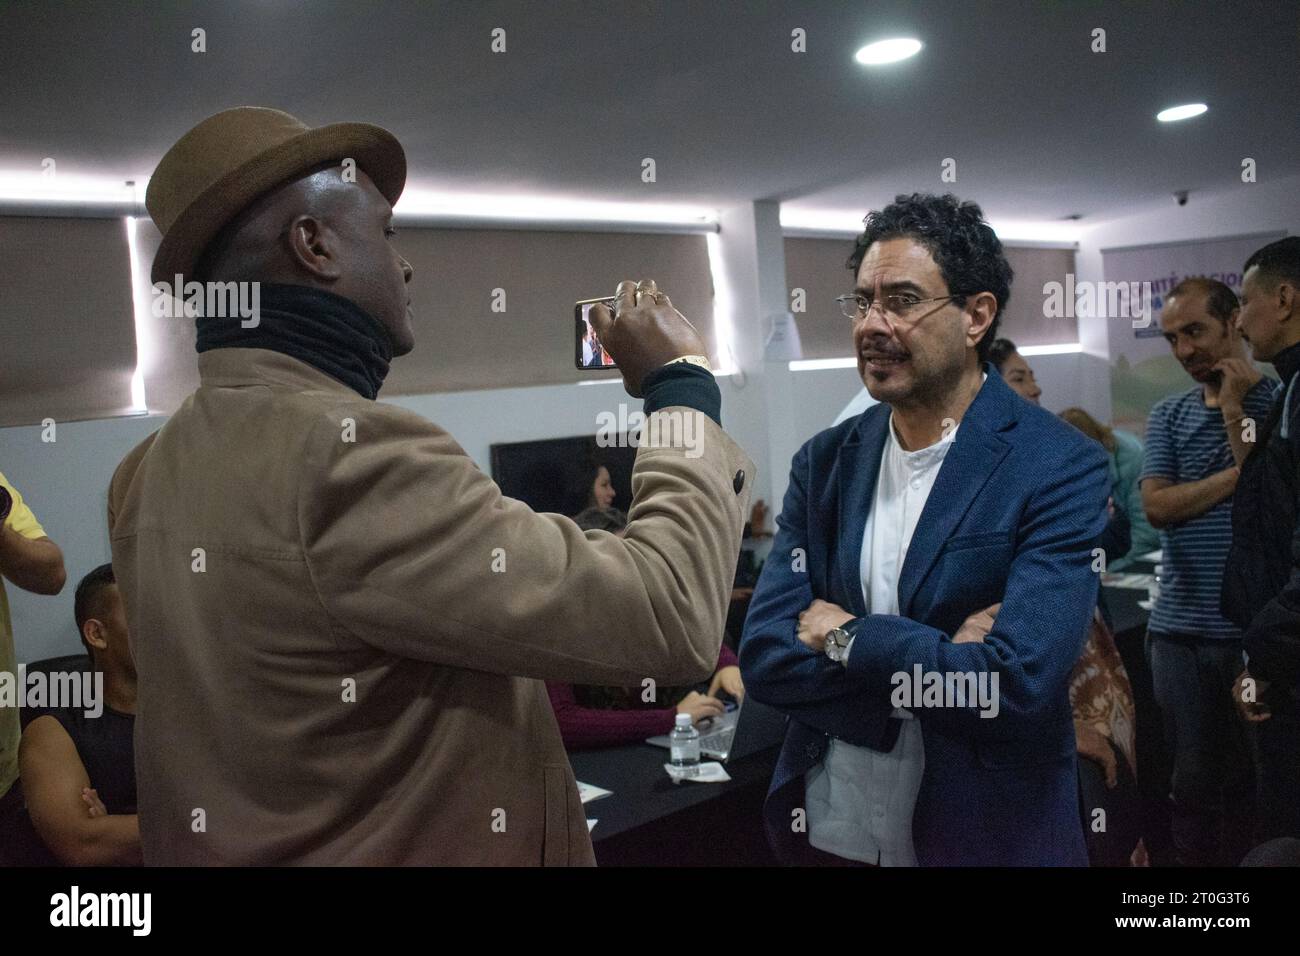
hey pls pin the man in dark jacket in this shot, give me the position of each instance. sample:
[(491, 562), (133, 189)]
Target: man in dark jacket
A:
[(1261, 586), (899, 528)]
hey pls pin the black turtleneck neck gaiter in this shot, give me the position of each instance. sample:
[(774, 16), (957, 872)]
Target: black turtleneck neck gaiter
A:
[(325, 330)]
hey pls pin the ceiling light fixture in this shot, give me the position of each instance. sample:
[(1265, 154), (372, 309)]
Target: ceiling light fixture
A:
[(888, 51), (1176, 113)]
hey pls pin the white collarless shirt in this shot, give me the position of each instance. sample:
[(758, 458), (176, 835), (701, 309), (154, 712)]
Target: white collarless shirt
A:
[(861, 801)]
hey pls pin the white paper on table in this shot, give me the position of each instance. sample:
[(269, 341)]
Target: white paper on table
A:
[(710, 772), (591, 824), (588, 793)]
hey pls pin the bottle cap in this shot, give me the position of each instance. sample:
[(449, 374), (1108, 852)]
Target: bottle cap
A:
[(684, 721)]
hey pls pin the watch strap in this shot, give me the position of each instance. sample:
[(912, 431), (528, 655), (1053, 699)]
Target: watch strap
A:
[(701, 360)]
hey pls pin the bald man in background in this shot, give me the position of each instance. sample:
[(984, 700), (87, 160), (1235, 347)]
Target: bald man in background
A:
[(338, 622)]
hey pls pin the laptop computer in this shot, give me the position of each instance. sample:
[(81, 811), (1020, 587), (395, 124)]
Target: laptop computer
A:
[(746, 729)]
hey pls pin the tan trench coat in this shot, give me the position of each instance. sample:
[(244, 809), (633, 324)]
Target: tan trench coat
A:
[(340, 643)]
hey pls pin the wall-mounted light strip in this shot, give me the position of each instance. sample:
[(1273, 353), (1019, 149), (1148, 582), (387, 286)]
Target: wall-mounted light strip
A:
[(55, 188), (601, 381), (140, 299), (815, 365), (65, 195), (427, 207), (724, 327), (1064, 349), (796, 221), (62, 194)]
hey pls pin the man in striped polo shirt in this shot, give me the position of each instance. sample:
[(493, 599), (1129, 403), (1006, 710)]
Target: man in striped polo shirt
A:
[(1194, 444)]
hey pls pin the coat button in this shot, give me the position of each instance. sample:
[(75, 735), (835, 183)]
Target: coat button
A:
[(739, 481)]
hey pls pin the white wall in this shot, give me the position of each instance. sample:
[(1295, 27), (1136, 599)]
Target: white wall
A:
[(1239, 209), (66, 480), (1060, 378), (66, 483)]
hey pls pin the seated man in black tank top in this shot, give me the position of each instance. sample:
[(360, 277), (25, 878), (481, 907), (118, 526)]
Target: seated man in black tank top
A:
[(78, 771)]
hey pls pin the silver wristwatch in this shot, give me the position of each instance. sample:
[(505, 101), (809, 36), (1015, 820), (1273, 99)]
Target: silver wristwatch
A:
[(837, 643)]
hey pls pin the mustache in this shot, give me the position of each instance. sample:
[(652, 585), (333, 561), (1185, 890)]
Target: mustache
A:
[(882, 347)]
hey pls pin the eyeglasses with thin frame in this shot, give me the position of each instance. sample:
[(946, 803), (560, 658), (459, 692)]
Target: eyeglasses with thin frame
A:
[(856, 307)]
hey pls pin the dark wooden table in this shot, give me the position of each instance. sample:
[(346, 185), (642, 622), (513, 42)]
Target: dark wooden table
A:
[(650, 821)]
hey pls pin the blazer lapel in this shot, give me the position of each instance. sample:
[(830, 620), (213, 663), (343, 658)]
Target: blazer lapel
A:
[(859, 464), (976, 451)]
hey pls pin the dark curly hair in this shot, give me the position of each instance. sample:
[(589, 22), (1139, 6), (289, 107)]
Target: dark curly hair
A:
[(577, 490), (1278, 261), (1000, 351), (964, 247)]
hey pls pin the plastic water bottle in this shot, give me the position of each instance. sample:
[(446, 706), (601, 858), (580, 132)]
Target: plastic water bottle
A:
[(685, 746)]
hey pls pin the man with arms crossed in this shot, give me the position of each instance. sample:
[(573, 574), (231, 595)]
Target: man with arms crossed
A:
[(901, 526), (78, 768)]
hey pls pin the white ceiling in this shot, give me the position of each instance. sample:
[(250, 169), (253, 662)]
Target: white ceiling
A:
[(1040, 126)]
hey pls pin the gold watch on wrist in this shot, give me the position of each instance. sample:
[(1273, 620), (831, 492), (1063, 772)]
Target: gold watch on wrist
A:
[(701, 360)]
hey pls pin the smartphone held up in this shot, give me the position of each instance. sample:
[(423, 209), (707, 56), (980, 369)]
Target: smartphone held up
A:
[(588, 352)]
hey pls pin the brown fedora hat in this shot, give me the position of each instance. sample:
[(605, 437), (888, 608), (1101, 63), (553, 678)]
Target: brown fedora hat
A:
[(220, 166)]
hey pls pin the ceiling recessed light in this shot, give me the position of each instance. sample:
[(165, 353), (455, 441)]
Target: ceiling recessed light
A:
[(888, 51), (1176, 113)]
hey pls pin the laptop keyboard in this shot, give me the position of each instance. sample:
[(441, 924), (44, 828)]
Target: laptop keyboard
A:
[(719, 742)]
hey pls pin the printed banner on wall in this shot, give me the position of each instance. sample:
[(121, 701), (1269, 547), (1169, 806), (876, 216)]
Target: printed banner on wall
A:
[(1142, 369)]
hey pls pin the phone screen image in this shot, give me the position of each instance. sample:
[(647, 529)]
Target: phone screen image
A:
[(588, 353)]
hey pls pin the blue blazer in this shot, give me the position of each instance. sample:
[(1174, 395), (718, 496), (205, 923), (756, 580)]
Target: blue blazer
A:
[(1015, 511)]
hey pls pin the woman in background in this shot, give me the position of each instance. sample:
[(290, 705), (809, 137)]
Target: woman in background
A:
[(590, 487), (1101, 696), (1125, 451), (1015, 371), (1118, 538), (609, 716)]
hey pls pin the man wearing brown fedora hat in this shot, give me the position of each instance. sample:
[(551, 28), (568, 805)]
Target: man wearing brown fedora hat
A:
[(339, 624)]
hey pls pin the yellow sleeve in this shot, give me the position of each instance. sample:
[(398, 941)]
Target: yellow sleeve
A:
[(21, 518)]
